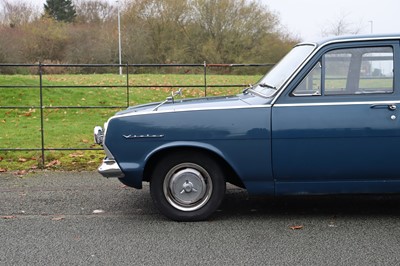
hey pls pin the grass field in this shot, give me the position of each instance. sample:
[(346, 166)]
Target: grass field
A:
[(72, 127)]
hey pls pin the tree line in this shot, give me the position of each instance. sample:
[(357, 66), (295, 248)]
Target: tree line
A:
[(152, 31)]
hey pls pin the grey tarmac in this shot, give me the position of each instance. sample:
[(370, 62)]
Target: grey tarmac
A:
[(81, 218)]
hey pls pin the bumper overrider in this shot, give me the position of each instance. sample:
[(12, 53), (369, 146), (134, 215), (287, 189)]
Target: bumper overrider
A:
[(109, 167)]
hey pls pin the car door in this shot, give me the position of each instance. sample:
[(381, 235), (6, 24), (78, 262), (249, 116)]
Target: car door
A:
[(336, 127)]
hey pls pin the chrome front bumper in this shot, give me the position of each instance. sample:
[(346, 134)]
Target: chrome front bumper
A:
[(110, 168)]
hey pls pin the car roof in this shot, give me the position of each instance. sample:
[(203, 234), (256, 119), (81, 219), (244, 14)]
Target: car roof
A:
[(348, 38)]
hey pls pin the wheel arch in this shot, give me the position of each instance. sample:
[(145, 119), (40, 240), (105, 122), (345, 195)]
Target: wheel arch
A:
[(201, 148)]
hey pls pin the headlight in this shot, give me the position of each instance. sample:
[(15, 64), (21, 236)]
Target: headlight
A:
[(98, 135)]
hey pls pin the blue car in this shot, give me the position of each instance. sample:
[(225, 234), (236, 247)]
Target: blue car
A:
[(324, 120)]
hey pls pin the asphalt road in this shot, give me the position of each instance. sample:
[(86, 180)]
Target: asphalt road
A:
[(49, 218)]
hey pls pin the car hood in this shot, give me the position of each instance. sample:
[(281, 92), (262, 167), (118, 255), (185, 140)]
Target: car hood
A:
[(191, 104)]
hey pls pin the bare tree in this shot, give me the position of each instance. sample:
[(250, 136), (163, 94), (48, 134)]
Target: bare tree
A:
[(95, 11), (153, 31), (341, 26), (231, 28), (16, 13), (160, 22), (91, 44), (45, 40)]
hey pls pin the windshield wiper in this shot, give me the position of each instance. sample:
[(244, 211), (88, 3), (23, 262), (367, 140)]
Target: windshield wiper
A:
[(258, 93), (253, 91), (265, 85), (246, 90)]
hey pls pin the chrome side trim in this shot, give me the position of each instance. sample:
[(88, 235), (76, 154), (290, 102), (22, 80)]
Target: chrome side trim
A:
[(335, 103), (110, 168), (191, 109)]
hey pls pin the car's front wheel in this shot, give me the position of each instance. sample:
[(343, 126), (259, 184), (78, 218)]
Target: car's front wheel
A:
[(187, 186)]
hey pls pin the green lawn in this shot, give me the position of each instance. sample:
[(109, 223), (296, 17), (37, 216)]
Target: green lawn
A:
[(72, 127)]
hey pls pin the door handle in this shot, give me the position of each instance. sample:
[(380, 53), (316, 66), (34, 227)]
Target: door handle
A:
[(391, 107)]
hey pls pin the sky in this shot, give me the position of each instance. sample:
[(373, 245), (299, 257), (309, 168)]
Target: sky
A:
[(307, 19)]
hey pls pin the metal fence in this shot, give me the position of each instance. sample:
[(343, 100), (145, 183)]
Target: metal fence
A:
[(128, 69)]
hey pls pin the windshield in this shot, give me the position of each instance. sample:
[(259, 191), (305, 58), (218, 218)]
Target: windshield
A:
[(274, 79)]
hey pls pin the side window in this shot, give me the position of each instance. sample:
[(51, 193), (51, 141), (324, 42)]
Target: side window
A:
[(338, 74), (377, 71), (311, 84), (355, 71)]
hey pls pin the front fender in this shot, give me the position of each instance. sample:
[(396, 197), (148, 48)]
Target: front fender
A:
[(135, 171), (239, 136)]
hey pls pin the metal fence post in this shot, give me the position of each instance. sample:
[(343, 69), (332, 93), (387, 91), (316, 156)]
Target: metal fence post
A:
[(41, 111), (205, 79), (127, 86)]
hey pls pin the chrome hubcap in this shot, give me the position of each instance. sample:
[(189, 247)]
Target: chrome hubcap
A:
[(187, 187)]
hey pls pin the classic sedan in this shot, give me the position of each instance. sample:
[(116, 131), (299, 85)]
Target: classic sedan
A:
[(324, 120)]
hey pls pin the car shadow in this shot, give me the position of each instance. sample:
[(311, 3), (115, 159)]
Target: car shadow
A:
[(237, 202)]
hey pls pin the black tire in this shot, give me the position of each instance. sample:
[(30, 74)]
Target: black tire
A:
[(187, 186)]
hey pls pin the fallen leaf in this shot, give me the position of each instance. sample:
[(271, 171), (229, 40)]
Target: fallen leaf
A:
[(59, 218), (8, 217), (53, 163), (77, 154), (2, 170), (22, 160), (21, 172), (296, 227)]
